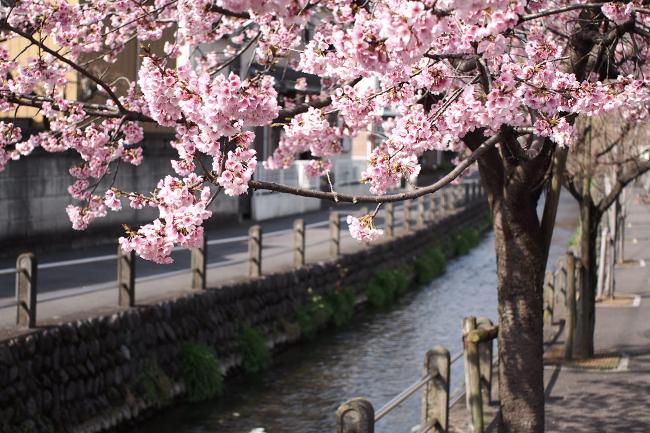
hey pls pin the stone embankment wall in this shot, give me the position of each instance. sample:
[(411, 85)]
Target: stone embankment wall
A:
[(82, 376)]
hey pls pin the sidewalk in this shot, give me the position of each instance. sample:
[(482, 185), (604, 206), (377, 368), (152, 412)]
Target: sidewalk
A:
[(612, 400)]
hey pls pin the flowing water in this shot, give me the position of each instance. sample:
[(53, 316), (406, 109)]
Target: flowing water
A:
[(376, 357)]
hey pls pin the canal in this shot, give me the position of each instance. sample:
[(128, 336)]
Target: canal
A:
[(376, 357)]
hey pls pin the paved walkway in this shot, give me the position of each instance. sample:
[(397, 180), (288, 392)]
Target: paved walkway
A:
[(612, 401)]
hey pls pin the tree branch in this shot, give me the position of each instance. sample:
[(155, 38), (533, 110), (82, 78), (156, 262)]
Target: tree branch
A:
[(73, 65), (338, 197), (621, 183)]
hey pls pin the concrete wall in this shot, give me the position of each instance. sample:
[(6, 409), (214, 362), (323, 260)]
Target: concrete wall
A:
[(33, 198), (82, 376)]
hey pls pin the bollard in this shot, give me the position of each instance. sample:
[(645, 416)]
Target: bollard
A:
[(255, 251), (355, 416), (435, 398), (549, 297), (125, 278), (420, 214), (299, 243), (444, 200), (335, 235), (389, 220), (26, 289), (474, 190), (571, 304), (467, 193), (473, 396), (407, 215), (199, 259), (485, 355), (430, 210)]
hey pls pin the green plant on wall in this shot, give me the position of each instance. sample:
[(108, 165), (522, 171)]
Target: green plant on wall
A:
[(313, 315), (430, 265), (384, 287), (464, 241), (255, 353), (201, 372), (342, 304), (153, 384)]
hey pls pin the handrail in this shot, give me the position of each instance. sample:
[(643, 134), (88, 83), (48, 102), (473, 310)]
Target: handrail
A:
[(409, 391), (402, 396)]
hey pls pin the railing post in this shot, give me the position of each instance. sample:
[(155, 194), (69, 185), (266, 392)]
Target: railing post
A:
[(335, 235), (299, 243), (199, 259), (255, 251), (432, 208), (389, 221), (26, 289), (444, 200), (468, 197), (485, 355), (407, 215), (420, 215), (571, 304), (473, 396), (355, 416), (474, 190), (435, 398), (549, 297), (125, 278)]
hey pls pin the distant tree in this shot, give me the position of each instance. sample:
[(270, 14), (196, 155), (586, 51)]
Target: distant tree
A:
[(611, 152)]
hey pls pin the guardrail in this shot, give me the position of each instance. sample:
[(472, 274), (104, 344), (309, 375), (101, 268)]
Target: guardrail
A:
[(27, 266), (358, 415)]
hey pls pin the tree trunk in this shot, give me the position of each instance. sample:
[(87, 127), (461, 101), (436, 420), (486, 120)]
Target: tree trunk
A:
[(520, 268), (586, 320)]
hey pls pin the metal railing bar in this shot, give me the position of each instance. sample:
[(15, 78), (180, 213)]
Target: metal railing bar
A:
[(456, 357), (399, 398)]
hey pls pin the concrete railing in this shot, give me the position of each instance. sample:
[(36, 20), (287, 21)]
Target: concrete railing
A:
[(358, 415), (27, 268)]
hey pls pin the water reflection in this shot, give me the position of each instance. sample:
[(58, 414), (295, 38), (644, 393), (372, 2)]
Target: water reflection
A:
[(376, 357)]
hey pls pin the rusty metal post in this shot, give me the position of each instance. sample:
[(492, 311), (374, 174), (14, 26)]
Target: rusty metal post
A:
[(125, 278), (199, 262), (474, 399), (335, 235), (26, 289), (355, 416), (485, 354), (299, 243), (435, 398), (255, 251)]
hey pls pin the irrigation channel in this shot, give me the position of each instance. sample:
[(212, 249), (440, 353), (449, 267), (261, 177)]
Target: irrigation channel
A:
[(376, 356)]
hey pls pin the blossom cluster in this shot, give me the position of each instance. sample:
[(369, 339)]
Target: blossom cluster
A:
[(415, 75)]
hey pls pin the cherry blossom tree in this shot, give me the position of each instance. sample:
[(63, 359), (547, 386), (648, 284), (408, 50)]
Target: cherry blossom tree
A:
[(505, 79), (610, 152)]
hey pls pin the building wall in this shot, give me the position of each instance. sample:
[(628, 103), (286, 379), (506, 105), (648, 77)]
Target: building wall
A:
[(33, 198)]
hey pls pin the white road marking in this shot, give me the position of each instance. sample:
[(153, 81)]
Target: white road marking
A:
[(624, 363)]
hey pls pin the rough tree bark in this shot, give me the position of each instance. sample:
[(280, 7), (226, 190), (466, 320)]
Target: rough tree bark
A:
[(520, 252), (584, 336)]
